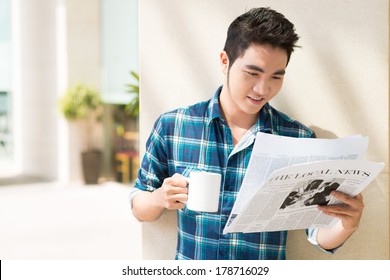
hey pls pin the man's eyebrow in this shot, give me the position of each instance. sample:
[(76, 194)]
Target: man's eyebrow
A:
[(259, 69)]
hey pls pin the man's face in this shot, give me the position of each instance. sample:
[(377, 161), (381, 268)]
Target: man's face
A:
[(253, 79)]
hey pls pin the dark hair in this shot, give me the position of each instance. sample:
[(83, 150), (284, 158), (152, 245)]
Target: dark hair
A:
[(259, 26)]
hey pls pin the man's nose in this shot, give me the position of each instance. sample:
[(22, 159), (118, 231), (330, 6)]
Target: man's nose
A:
[(262, 87)]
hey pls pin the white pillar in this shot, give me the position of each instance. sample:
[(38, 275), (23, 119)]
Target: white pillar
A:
[(55, 45), (34, 86), (78, 56)]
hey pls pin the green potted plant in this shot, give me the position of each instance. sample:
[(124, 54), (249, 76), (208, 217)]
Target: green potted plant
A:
[(82, 102)]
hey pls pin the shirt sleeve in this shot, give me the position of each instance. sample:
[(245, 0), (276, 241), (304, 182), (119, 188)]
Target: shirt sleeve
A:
[(154, 166), (133, 193)]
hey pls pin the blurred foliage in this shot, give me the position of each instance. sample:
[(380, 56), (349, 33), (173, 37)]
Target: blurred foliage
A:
[(132, 108), (80, 102)]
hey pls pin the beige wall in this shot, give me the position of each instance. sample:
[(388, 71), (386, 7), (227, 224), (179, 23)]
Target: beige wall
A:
[(337, 83)]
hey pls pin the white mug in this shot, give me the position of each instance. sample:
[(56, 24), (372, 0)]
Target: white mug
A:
[(203, 191)]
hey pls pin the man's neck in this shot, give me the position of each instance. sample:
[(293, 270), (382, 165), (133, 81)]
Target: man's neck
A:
[(238, 121), (235, 117)]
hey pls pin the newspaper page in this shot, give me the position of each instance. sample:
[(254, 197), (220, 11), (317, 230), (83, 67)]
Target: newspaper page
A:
[(288, 199), (272, 152)]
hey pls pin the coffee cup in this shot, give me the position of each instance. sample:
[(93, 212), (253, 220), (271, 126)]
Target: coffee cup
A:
[(203, 191)]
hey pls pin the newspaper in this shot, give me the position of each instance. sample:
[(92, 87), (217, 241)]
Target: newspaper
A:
[(308, 169)]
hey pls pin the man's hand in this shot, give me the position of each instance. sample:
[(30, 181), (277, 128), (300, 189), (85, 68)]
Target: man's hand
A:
[(349, 213), (172, 194)]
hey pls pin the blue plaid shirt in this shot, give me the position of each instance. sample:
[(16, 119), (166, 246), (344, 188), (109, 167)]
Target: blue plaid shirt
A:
[(198, 138)]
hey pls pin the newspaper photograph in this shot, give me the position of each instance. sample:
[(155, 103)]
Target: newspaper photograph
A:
[(288, 198)]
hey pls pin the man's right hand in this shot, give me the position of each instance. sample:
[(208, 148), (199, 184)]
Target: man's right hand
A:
[(173, 193)]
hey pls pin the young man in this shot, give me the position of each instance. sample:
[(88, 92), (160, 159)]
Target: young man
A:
[(218, 135)]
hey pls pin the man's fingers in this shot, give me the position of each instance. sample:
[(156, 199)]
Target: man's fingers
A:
[(177, 180), (174, 191), (176, 202), (341, 196), (354, 202), (349, 212)]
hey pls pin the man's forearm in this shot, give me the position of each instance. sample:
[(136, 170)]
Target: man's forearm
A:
[(146, 208), (330, 238)]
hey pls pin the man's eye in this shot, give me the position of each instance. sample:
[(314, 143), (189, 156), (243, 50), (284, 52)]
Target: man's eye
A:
[(276, 77), (251, 73)]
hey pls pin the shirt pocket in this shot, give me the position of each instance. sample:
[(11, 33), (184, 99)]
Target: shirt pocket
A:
[(184, 170)]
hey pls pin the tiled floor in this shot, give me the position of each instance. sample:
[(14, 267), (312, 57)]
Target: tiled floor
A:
[(60, 221)]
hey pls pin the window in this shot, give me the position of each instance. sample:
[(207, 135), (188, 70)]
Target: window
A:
[(6, 139), (119, 48)]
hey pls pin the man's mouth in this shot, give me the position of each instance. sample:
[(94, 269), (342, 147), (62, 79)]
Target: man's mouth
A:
[(256, 98)]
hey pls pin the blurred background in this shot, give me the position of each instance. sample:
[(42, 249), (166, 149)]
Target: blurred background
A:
[(67, 72), (69, 92)]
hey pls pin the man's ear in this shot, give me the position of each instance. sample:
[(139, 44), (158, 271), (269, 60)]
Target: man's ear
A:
[(224, 59)]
